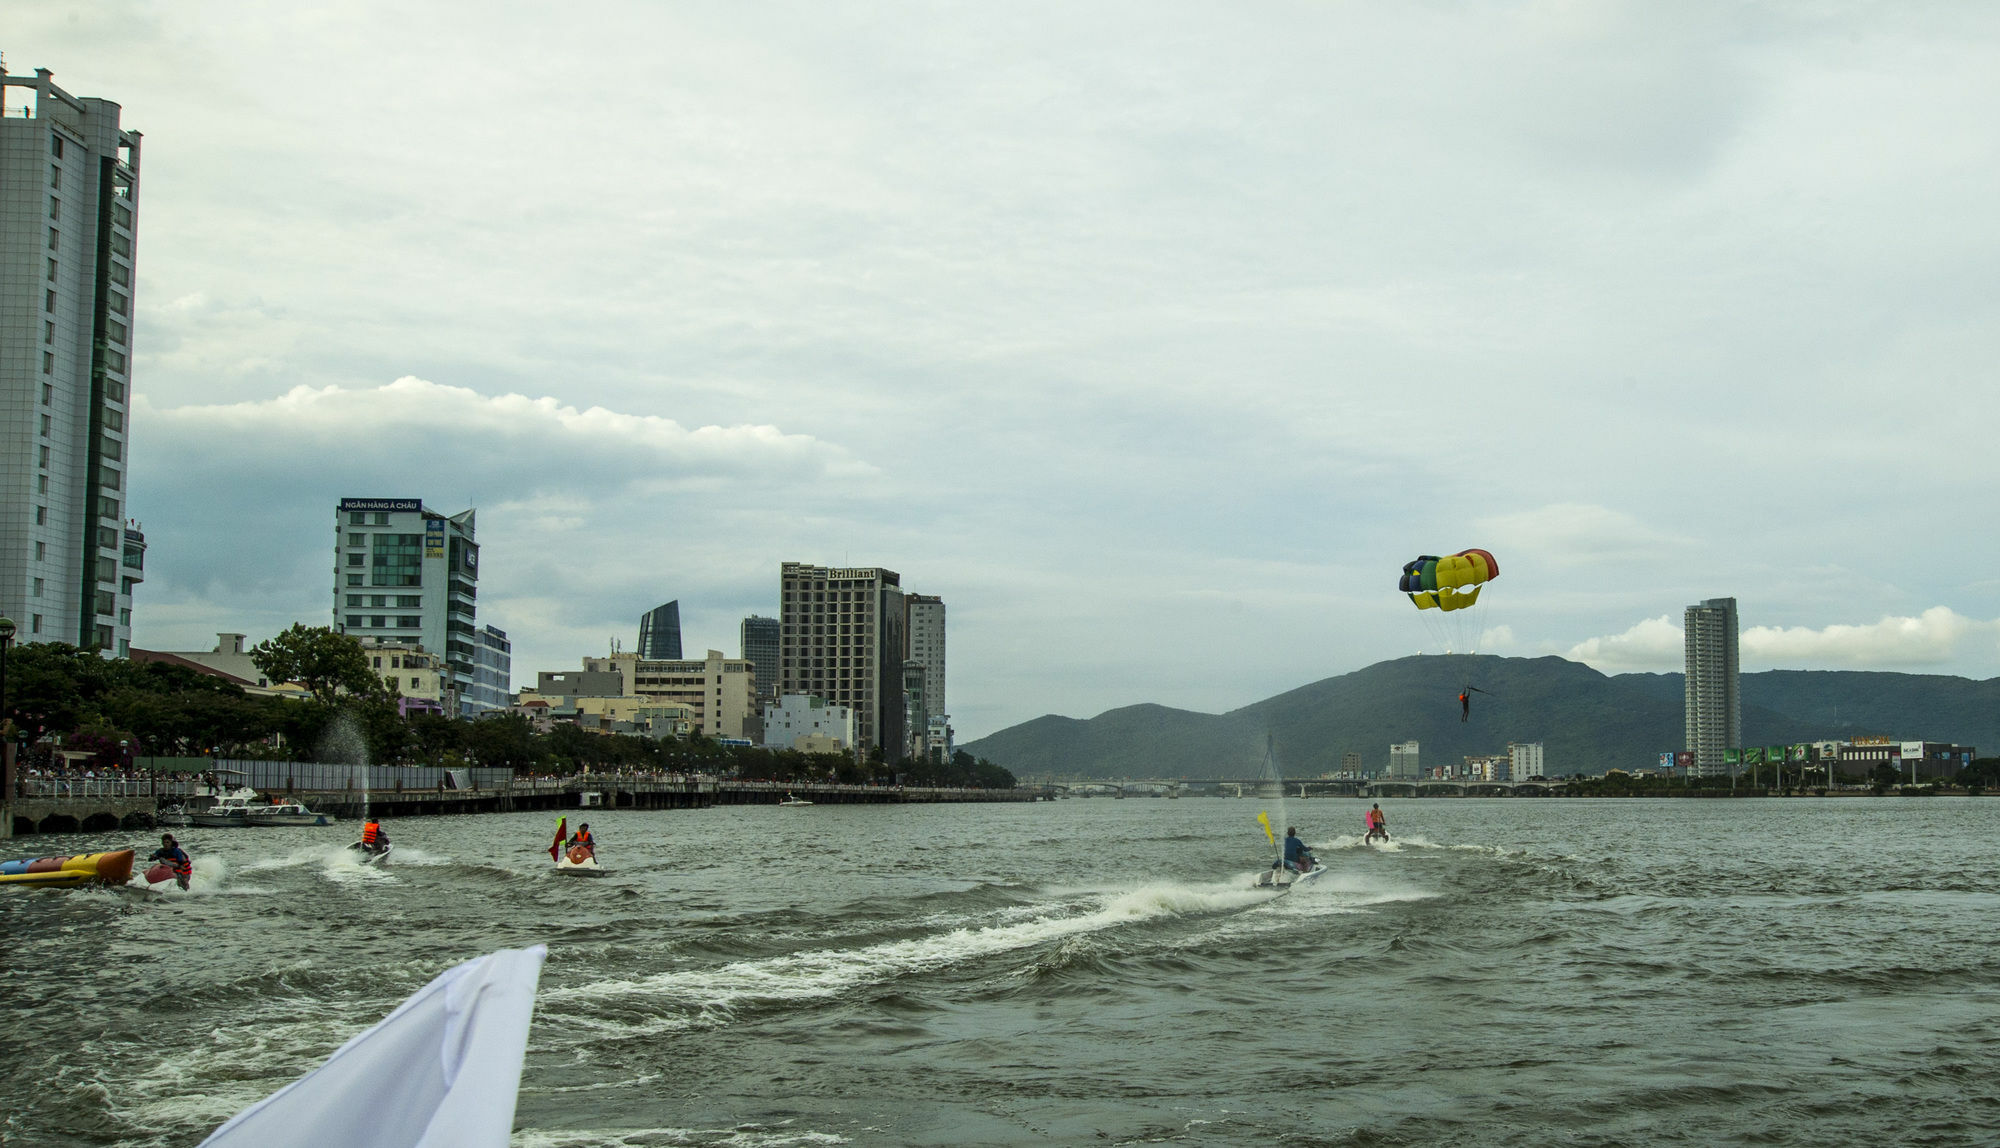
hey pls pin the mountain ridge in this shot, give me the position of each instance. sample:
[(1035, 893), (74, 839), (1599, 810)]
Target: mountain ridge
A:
[(1588, 721)]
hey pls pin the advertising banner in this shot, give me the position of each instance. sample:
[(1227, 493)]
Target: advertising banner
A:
[(1802, 753), (1753, 755), (1684, 759), (1732, 757), (1776, 754), (1667, 760), (433, 537)]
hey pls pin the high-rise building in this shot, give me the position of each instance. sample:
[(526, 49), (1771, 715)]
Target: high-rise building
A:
[(758, 645), (841, 637), (405, 573), (1714, 705), (492, 673), (660, 633), (1403, 760), (927, 646), (1525, 759), (69, 216)]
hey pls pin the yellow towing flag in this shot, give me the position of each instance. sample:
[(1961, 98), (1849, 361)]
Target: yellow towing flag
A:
[(1264, 819)]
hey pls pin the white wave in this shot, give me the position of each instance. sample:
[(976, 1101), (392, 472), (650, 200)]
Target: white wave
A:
[(742, 1136), (710, 997)]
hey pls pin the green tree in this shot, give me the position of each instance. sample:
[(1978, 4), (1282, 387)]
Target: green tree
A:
[(1885, 777), (324, 662)]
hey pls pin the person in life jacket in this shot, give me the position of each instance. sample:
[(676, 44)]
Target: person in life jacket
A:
[(175, 858), (1298, 858), (1378, 824), (583, 838), (372, 837)]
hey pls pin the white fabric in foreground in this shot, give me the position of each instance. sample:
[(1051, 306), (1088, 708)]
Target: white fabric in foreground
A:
[(439, 1072)]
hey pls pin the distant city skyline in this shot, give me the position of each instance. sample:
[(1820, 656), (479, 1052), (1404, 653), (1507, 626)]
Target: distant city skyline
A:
[(1077, 327)]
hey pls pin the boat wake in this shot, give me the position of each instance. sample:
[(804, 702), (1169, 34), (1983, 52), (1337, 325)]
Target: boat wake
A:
[(708, 998)]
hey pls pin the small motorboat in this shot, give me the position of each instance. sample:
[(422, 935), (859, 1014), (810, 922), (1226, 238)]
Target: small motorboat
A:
[(231, 810), (791, 800), (371, 854), (64, 872), (580, 861), (280, 813)]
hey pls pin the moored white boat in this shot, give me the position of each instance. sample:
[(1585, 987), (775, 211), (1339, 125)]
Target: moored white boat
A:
[(230, 810), (792, 800), (286, 813)]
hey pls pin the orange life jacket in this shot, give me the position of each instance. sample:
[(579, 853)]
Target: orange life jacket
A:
[(584, 838), (371, 833)]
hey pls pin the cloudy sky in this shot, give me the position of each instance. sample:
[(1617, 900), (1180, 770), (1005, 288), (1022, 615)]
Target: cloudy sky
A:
[(1155, 337)]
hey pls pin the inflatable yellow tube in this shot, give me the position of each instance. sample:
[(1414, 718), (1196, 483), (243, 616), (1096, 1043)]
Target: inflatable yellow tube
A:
[(60, 872)]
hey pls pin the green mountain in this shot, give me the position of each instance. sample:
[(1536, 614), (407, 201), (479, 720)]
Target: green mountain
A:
[(1587, 721)]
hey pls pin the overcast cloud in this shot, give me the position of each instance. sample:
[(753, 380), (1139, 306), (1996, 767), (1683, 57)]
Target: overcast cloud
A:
[(1154, 337)]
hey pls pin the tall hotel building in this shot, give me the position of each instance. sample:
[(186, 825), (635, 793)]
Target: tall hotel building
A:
[(405, 574), (1714, 705), (69, 216), (927, 646), (841, 638)]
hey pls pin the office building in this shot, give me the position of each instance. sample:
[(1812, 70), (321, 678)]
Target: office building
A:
[(1713, 701), (926, 645), (492, 688), (757, 643), (404, 574), (1403, 760), (70, 555), (841, 637), (660, 633), (808, 724), (1525, 760)]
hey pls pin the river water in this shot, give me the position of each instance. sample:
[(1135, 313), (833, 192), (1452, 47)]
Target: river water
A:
[(1082, 972)]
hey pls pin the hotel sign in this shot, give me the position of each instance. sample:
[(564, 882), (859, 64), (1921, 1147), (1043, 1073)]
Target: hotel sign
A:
[(393, 505)]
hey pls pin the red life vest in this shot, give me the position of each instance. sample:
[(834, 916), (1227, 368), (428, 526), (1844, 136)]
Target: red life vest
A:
[(371, 833), (584, 838)]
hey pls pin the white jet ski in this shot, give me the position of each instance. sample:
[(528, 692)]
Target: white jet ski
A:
[(372, 856), (1285, 880), (580, 861)]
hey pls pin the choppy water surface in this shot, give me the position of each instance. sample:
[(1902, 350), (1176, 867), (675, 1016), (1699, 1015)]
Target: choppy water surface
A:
[(1511, 972)]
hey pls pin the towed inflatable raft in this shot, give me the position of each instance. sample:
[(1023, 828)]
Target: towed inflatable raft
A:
[(62, 872)]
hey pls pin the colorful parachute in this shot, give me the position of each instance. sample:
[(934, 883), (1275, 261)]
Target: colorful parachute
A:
[(1435, 583)]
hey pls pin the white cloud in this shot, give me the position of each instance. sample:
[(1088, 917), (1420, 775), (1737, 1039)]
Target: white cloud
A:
[(1933, 638), (1570, 534), (1654, 644), (1937, 637)]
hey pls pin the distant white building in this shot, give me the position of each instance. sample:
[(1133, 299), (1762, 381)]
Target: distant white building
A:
[(807, 722), (1403, 760), (1525, 760)]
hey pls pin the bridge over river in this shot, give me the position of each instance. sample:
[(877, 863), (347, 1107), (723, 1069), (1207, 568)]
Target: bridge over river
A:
[(1234, 787)]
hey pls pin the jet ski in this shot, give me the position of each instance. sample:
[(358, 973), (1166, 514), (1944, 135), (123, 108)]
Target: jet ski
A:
[(1285, 880), (371, 854), (580, 861)]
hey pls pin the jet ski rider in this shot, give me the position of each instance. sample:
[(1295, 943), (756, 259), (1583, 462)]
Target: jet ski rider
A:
[(176, 859), (372, 837), (1298, 858), (584, 839)]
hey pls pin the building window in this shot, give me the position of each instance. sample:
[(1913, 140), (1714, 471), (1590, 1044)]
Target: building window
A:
[(41, 551), (55, 145), (357, 540), (115, 421), (117, 303), (378, 621), (36, 592), (55, 239), (46, 424), (357, 559), (107, 478), (41, 484), (49, 302), (55, 213), (410, 623), (48, 362), (354, 600), (382, 519), (354, 579), (49, 333), (107, 603), (111, 448), (107, 508), (41, 516), (52, 271), (117, 331), (43, 458), (120, 275), (409, 601), (114, 390), (355, 518), (35, 624), (123, 215), (117, 360)]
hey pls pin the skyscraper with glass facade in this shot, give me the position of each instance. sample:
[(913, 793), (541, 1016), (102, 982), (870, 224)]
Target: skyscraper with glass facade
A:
[(758, 645), (660, 633), (69, 217), (1713, 702)]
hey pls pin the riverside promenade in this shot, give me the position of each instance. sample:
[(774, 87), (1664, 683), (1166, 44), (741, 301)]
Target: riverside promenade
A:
[(87, 806)]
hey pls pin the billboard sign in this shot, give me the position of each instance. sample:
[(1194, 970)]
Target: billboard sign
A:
[(1913, 751), (433, 537), (1667, 760), (1684, 759), (1753, 755), (392, 505), (1732, 757)]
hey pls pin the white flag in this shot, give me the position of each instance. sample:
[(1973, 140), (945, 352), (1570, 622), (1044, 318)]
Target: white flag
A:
[(439, 1072)]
